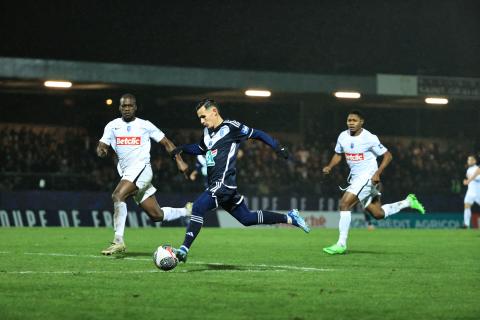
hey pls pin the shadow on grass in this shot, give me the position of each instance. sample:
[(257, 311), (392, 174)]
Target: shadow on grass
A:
[(224, 267), (367, 252), (132, 254)]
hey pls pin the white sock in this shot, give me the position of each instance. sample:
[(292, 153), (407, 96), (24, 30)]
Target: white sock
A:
[(467, 215), (343, 226), (170, 214), (119, 220), (392, 208)]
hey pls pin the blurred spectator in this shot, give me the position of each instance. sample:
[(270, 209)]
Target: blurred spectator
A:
[(65, 158)]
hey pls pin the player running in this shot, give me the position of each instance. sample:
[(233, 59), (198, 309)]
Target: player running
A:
[(361, 149), (473, 191), (129, 137), (220, 143)]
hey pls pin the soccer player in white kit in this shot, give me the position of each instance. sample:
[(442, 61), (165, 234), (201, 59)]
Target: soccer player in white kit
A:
[(129, 137), (361, 149), (473, 191)]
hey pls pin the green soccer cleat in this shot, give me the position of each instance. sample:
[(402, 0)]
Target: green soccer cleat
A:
[(335, 249), (415, 204)]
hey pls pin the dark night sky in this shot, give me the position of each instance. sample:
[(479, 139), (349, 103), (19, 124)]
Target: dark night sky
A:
[(342, 37)]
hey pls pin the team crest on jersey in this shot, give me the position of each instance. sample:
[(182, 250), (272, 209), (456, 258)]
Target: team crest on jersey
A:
[(129, 128), (209, 157), (245, 129), (352, 145), (223, 132)]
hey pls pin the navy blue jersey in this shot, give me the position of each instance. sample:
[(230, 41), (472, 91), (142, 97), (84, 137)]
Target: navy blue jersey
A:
[(221, 147)]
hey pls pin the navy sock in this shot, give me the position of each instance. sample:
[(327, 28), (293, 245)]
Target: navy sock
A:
[(269, 217), (193, 229)]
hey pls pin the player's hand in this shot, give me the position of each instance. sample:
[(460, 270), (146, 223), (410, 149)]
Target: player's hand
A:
[(376, 178), (465, 182), (282, 151), (176, 151), (193, 175), (326, 170)]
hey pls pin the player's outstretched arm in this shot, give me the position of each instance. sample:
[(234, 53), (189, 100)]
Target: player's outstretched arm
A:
[(282, 151), (102, 149), (194, 149), (336, 158), (170, 147)]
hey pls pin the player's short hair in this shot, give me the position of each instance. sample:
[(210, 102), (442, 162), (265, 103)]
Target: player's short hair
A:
[(207, 103), (474, 156), (358, 113), (128, 96)]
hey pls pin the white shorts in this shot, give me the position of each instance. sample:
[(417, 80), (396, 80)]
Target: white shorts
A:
[(141, 176), (364, 189), (471, 197)]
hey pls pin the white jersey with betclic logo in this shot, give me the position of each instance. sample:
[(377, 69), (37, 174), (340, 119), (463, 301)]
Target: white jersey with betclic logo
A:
[(131, 141), (360, 151)]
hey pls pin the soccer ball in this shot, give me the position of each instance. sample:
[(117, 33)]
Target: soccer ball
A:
[(164, 258)]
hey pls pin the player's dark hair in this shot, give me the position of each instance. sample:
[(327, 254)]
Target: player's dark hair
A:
[(128, 96), (208, 103), (358, 113)]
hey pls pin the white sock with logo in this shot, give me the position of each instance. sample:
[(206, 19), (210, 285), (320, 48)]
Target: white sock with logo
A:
[(343, 226), (170, 214), (467, 216), (119, 220), (392, 208)]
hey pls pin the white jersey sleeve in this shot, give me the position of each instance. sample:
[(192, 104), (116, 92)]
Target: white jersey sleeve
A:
[(155, 133), (377, 147), (108, 137), (338, 146)]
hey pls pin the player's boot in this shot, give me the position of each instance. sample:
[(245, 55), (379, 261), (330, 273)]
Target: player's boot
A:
[(180, 254), (298, 221), (415, 204), (114, 248), (335, 249), (189, 207)]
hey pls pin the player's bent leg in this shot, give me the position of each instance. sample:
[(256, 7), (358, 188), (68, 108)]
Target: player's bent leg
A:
[(375, 209), (204, 203), (123, 190), (249, 218), (346, 204), (152, 208)]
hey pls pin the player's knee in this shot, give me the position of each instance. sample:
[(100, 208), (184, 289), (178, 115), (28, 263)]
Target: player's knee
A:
[(116, 197), (378, 215), (344, 205), (198, 209)]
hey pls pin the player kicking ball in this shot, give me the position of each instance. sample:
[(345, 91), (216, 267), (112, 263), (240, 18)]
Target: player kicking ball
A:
[(220, 143), (361, 149)]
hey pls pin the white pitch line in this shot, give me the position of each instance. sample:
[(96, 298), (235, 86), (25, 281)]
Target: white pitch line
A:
[(246, 266), (4, 252), (78, 272)]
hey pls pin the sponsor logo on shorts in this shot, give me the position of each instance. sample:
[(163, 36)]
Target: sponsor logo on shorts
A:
[(129, 141), (354, 156)]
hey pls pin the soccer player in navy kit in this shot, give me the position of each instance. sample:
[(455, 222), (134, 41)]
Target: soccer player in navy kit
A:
[(220, 143)]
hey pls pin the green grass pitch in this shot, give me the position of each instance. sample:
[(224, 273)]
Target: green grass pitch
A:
[(253, 273)]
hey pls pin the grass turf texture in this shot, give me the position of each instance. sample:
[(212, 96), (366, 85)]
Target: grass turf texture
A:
[(241, 274)]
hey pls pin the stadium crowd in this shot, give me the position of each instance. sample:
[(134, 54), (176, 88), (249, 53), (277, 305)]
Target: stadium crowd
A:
[(59, 158)]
